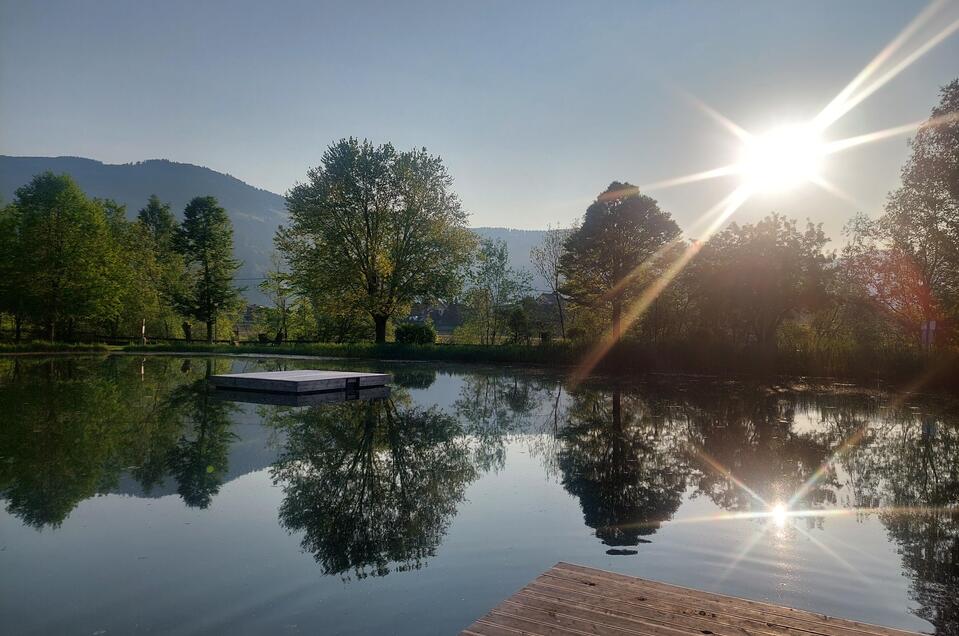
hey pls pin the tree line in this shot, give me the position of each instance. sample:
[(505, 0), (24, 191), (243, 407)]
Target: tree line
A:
[(71, 265), (375, 231)]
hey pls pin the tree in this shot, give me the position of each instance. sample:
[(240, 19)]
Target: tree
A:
[(750, 278), (378, 228), (65, 250), (159, 221), (14, 280), (607, 259), (520, 330), (278, 289), (205, 239), (495, 288), (910, 264), (546, 259)]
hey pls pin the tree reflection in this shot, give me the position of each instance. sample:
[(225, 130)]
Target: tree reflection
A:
[(624, 461), (909, 459), (372, 485), (493, 406), (73, 426), (747, 437), (200, 458)]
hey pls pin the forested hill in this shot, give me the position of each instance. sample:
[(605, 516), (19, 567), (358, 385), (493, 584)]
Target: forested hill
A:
[(255, 213)]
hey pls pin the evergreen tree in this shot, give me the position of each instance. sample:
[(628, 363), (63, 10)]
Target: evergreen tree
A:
[(159, 221), (205, 239)]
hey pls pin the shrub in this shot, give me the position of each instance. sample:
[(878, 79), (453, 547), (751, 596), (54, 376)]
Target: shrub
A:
[(412, 333)]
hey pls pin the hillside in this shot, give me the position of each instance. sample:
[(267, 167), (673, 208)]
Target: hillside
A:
[(255, 213)]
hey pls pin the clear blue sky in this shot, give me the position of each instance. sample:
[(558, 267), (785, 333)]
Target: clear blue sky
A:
[(535, 106)]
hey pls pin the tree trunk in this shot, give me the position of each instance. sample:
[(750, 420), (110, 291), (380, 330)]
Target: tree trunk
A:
[(17, 327), (380, 323), (562, 321), (617, 409), (617, 318), (51, 330), (210, 326)]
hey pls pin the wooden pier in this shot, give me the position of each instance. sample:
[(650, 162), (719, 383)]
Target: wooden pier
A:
[(572, 599), (300, 381)]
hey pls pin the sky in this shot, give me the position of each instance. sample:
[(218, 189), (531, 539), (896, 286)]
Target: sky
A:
[(535, 107)]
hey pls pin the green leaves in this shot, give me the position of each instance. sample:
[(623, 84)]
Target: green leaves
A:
[(376, 228), (205, 240)]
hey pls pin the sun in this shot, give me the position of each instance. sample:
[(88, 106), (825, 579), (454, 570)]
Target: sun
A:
[(779, 513), (782, 159)]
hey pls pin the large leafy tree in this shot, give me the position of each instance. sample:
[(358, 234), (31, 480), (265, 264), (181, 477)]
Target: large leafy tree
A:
[(907, 261), (610, 258), (205, 239), (750, 278), (65, 253), (14, 281), (378, 228)]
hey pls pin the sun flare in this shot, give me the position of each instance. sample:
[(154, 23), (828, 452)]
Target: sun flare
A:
[(782, 159), (779, 514)]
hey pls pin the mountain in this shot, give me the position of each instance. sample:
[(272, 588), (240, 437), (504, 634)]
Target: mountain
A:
[(255, 213)]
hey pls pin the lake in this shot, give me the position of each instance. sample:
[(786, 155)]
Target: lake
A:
[(138, 500)]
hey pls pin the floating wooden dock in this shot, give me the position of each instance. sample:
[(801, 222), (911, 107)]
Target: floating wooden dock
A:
[(572, 599), (301, 381), (301, 399)]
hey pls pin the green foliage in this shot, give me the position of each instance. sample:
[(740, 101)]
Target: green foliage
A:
[(65, 260), (278, 289), (376, 229), (372, 486), (159, 221), (413, 333), (75, 424), (749, 278), (494, 289), (617, 251), (518, 324), (205, 239)]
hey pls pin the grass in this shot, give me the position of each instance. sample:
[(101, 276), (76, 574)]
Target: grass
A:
[(43, 346), (501, 354)]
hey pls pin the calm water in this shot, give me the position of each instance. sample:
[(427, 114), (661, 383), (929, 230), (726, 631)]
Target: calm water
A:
[(137, 501)]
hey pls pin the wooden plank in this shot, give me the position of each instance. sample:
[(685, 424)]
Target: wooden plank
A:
[(573, 599), (300, 381), (650, 612), (710, 601)]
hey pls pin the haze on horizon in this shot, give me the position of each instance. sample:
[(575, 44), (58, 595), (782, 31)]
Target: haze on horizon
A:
[(535, 107)]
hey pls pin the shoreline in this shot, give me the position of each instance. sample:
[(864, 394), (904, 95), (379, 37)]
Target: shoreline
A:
[(905, 370)]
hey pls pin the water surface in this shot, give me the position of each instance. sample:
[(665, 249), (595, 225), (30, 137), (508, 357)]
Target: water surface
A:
[(137, 500)]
